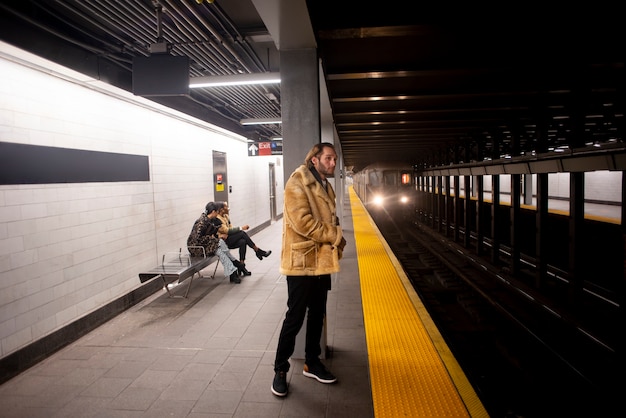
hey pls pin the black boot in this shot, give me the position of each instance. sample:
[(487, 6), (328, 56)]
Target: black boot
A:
[(260, 254), (234, 277), (241, 268)]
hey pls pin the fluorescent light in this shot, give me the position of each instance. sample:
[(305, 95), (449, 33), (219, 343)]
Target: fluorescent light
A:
[(234, 80), (260, 121)]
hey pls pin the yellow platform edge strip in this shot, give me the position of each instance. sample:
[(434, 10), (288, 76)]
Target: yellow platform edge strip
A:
[(413, 372)]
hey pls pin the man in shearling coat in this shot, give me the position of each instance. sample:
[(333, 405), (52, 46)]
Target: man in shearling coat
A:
[(312, 247)]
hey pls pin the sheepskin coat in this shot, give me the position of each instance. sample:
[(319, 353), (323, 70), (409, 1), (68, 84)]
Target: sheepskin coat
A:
[(227, 227), (311, 231)]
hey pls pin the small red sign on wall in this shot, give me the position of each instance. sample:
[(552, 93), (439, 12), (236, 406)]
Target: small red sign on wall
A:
[(265, 148)]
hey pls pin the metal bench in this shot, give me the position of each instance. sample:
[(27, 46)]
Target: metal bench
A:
[(179, 266)]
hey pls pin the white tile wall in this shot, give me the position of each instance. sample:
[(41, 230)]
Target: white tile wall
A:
[(67, 249)]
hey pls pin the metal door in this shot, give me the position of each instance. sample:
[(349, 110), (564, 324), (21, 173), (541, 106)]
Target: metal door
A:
[(272, 192), (220, 177)]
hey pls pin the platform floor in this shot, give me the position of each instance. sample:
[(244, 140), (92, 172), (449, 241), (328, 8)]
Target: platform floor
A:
[(212, 354)]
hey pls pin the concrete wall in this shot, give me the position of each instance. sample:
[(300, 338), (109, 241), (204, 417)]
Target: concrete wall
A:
[(68, 249)]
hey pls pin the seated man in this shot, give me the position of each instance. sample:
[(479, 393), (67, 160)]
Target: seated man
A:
[(204, 233)]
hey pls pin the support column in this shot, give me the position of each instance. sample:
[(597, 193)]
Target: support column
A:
[(300, 105), (495, 219), (541, 231), (300, 111), (576, 221), (515, 228), (449, 207), (439, 202), (456, 209), (621, 285), (288, 22), (467, 212), (480, 207)]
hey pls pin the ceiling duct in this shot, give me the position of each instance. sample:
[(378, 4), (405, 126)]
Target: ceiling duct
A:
[(160, 74)]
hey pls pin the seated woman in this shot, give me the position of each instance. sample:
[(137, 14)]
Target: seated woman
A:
[(205, 234), (237, 237)]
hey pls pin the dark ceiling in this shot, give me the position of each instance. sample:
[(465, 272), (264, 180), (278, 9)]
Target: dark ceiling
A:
[(423, 87), (406, 83)]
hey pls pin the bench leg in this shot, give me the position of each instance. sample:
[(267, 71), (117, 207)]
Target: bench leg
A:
[(200, 276), (212, 276), (189, 285), (167, 289), (217, 263)]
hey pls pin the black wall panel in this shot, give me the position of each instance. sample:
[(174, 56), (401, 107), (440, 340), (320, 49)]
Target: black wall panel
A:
[(33, 164)]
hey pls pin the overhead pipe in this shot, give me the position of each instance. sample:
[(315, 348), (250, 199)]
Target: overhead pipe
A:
[(267, 90), (201, 35), (87, 18), (180, 43), (247, 93), (204, 60), (213, 32), (218, 64), (56, 33), (125, 18), (220, 16), (247, 47), (139, 15), (127, 15), (216, 12)]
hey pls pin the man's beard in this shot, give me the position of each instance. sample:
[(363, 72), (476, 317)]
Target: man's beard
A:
[(327, 172)]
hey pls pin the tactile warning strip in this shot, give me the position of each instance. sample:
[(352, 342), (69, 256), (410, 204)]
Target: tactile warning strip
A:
[(413, 373)]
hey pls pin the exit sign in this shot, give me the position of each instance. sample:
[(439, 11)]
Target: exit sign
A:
[(265, 148)]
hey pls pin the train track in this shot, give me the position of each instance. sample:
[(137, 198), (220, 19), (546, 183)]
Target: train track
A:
[(523, 359)]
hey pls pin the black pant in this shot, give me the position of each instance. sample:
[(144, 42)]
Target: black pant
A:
[(241, 240), (303, 292)]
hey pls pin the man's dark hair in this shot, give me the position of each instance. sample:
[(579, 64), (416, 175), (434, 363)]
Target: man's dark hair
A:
[(210, 207), (316, 151)]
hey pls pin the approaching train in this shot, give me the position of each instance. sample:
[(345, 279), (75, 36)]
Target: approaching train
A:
[(574, 266), (396, 189), (557, 274), (386, 187)]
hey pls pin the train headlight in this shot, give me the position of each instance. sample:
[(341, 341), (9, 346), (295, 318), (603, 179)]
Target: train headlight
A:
[(378, 200), (404, 200)]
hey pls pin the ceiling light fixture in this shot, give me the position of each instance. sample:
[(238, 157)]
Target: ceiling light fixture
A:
[(234, 80), (260, 121)]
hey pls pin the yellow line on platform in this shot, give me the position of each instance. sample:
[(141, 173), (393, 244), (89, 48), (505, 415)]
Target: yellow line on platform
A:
[(413, 373)]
